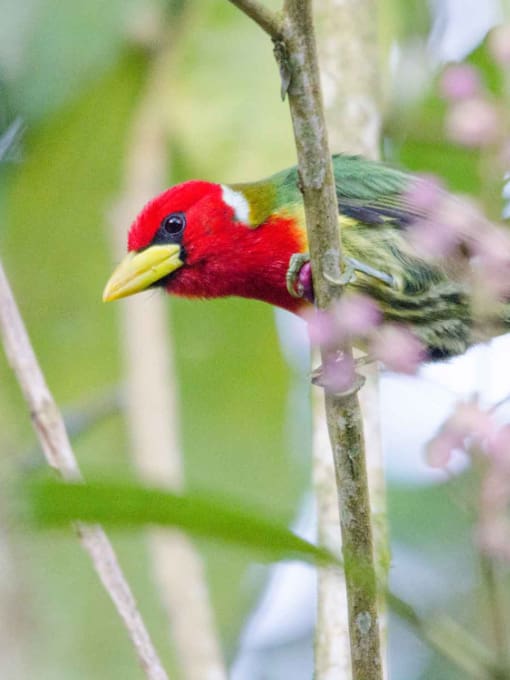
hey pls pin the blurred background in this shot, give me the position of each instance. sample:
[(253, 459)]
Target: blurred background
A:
[(77, 75)]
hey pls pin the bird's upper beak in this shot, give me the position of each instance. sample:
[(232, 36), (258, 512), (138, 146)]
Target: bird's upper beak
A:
[(140, 269)]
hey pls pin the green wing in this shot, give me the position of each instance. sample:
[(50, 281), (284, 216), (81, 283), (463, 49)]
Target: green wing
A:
[(374, 200), (370, 192)]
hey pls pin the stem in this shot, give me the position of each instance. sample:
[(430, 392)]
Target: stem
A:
[(342, 412), (268, 20), (350, 71), (496, 611), (50, 429), (450, 640)]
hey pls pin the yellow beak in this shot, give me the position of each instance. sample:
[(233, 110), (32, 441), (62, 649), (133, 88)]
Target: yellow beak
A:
[(139, 270)]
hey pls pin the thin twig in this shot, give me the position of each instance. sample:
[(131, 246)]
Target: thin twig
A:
[(496, 610), (52, 434), (449, 640), (269, 21)]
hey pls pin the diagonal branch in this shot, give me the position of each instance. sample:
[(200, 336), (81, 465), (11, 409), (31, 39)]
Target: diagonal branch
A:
[(269, 21), (50, 429)]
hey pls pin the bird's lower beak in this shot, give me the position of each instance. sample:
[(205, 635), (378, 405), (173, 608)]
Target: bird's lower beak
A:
[(141, 269)]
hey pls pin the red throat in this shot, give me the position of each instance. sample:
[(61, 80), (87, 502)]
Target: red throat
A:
[(240, 261)]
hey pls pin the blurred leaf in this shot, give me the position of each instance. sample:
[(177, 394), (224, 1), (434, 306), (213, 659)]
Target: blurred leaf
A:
[(53, 503), (66, 45)]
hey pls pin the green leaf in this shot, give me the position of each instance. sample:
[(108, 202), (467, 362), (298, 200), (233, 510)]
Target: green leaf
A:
[(52, 503)]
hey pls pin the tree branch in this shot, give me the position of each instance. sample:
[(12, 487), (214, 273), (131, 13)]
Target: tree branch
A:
[(351, 81), (52, 434), (269, 21), (343, 414)]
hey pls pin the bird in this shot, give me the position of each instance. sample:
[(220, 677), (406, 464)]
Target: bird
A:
[(202, 239)]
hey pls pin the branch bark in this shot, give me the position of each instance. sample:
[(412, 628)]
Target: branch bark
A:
[(55, 443), (342, 412), (299, 58), (350, 78)]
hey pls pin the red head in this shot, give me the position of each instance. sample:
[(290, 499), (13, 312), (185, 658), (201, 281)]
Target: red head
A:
[(196, 240)]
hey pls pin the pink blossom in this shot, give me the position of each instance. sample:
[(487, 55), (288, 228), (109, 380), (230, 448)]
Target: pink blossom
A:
[(492, 264), (473, 122), (498, 447), (398, 348), (432, 238), (356, 314), (462, 216), (338, 373), (440, 449), (425, 194), (322, 328), (353, 316), (469, 419), (460, 81), (499, 44), (495, 492), (493, 536)]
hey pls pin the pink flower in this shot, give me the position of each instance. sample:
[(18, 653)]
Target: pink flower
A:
[(493, 536), (352, 317), (473, 122), (398, 348), (440, 449), (492, 264), (356, 314), (499, 44), (432, 238), (460, 81), (322, 328), (338, 373), (498, 447), (469, 419), (425, 194)]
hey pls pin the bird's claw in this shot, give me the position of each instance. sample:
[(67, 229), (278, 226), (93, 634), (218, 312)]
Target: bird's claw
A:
[(294, 286), (348, 275)]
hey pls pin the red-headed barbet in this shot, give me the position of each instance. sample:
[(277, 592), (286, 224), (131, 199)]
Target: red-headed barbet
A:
[(207, 240)]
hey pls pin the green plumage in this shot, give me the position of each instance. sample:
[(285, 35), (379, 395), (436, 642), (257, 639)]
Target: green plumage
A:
[(376, 212)]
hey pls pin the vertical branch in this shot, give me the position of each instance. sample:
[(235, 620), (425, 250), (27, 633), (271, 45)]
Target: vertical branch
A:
[(332, 648), (50, 429), (152, 415), (297, 54), (342, 411), (350, 81)]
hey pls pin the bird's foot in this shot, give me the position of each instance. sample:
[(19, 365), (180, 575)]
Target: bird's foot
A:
[(299, 281)]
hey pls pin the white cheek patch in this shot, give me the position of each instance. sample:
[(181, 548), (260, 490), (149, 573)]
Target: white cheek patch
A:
[(238, 202)]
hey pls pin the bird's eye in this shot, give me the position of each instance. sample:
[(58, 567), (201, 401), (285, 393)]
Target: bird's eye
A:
[(174, 224)]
